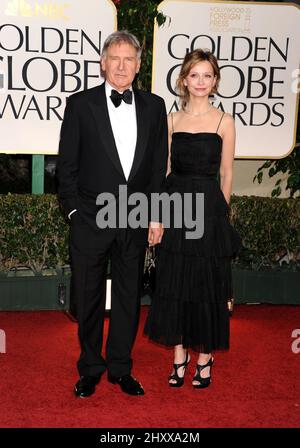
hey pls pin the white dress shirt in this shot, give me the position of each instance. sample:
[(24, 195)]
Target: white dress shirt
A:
[(124, 127)]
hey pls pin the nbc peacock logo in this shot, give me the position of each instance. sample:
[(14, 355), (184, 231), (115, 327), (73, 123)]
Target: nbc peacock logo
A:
[(38, 8)]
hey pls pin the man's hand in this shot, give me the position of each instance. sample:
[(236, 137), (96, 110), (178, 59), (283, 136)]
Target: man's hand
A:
[(155, 233)]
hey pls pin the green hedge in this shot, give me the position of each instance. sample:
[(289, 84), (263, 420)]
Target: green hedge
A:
[(270, 230), (34, 233)]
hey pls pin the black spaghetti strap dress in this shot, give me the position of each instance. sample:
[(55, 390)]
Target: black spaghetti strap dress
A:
[(193, 277)]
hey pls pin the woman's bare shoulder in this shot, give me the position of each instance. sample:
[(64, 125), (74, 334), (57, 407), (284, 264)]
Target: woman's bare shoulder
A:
[(174, 117), (221, 113), (226, 116), (175, 114)]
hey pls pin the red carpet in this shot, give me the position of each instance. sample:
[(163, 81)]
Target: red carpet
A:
[(255, 384)]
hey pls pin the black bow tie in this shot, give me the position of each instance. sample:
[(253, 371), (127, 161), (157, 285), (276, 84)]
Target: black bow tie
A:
[(117, 97)]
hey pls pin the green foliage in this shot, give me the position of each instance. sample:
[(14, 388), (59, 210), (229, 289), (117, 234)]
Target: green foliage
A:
[(270, 229), (138, 18), (14, 173), (289, 165), (34, 233)]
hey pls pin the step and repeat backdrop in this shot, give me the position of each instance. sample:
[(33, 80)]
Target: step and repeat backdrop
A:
[(48, 50), (257, 47)]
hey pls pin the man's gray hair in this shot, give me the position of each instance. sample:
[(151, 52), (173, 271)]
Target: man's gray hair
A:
[(120, 37)]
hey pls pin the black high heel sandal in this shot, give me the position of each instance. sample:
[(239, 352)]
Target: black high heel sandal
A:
[(203, 382), (179, 380)]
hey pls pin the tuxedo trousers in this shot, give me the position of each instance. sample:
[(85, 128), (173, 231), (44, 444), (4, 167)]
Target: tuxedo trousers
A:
[(90, 251)]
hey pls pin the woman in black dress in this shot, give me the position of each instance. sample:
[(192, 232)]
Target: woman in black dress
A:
[(189, 307)]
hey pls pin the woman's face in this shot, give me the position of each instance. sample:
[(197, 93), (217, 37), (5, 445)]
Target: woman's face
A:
[(201, 79)]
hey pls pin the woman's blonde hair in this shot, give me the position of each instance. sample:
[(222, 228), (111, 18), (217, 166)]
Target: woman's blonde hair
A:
[(189, 61)]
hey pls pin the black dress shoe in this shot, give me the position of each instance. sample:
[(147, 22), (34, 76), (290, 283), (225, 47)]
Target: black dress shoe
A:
[(128, 384), (86, 386)]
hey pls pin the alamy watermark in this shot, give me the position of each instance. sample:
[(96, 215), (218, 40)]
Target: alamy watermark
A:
[(296, 342), (187, 211), (2, 341)]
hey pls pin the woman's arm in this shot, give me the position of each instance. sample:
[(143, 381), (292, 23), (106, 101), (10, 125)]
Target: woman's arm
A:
[(170, 132), (228, 148)]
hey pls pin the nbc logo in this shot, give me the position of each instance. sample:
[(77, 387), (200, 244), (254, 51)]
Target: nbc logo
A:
[(35, 8)]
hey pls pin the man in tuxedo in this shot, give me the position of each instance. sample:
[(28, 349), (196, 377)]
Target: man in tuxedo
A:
[(111, 135)]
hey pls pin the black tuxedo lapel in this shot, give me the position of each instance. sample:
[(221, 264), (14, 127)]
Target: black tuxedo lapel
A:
[(142, 121), (101, 116)]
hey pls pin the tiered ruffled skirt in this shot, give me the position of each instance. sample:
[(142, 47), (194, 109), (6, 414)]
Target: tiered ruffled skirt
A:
[(194, 281)]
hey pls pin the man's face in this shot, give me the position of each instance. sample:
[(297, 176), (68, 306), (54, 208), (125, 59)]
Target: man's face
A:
[(120, 65)]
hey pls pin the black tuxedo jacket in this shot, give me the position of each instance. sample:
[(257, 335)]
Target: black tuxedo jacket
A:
[(88, 162)]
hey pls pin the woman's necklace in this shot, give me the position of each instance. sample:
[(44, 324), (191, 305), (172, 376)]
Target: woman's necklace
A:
[(199, 114)]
